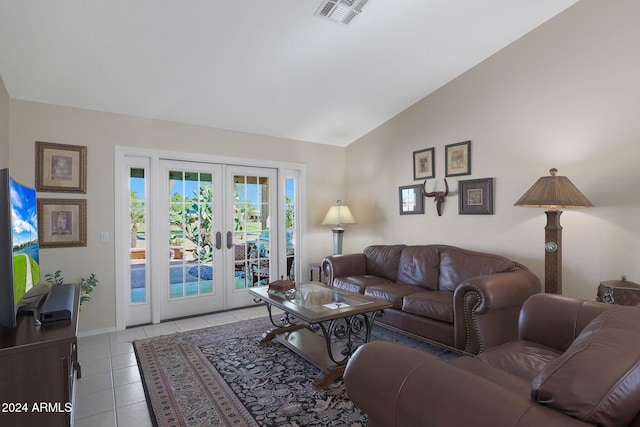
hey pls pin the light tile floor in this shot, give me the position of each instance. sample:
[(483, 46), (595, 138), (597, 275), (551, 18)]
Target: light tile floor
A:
[(110, 392)]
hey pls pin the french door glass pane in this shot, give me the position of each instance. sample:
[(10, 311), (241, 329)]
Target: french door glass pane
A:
[(190, 234), (137, 225), (290, 222), (251, 236)]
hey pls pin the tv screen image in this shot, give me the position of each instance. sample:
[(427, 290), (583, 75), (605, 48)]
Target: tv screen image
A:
[(24, 220), (19, 249)]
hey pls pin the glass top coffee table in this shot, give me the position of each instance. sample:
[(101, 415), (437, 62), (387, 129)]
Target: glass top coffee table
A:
[(324, 325)]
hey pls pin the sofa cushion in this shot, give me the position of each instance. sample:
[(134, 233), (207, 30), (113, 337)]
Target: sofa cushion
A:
[(457, 265), (437, 305), (516, 384), (358, 284), (393, 293), (597, 380), (382, 260), (420, 265), (524, 359)]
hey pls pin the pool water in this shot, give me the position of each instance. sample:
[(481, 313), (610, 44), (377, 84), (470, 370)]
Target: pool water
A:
[(184, 280)]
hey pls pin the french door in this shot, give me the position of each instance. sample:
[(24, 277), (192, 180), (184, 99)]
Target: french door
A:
[(218, 236), (251, 230), (189, 253), (201, 234)]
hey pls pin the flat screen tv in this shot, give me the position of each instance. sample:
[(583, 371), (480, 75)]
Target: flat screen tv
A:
[(19, 255)]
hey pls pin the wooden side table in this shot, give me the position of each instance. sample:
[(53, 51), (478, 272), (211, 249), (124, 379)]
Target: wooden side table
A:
[(315, 266), (621, 292)]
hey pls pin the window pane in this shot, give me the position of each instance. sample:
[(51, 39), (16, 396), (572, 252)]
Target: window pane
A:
[(137, 208), (290, 221), (190, 234), (251, 237)]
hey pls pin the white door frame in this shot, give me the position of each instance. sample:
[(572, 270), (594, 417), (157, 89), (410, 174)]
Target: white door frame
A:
[(121, 214)]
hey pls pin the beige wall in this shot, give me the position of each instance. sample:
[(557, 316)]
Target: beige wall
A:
[(567, 95), (101, 132), (4, 126)]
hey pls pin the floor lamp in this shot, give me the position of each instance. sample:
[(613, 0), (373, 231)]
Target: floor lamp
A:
[(554, 193), (338, 214)]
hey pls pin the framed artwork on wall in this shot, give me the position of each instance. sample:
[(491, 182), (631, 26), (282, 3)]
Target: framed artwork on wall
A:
[(411, 200), (423, 164), (475, 196), (458, 159), (61, 168), (62, 223)]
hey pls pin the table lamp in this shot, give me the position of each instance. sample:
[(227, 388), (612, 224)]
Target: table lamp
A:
[(338, 214), (553, 192)]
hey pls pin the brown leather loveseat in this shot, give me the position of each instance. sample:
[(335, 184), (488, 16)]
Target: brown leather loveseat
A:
[(575, 363), (454, 297)]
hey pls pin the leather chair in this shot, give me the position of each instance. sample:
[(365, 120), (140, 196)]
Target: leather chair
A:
[(575, 363)]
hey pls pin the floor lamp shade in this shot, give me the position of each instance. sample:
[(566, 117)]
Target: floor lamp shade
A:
[(553, 192), (338, 215)]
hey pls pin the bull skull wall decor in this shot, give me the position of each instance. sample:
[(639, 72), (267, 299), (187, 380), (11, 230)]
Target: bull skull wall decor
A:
[(437, 195)]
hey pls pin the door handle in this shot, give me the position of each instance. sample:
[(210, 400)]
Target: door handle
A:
[(218, 240), (229, 240)]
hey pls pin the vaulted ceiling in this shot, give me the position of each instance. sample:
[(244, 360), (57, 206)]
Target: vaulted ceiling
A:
[(264, 67)]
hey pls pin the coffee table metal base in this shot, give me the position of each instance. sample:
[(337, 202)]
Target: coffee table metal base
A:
[(322, 350), (323, 324), (310, 346)]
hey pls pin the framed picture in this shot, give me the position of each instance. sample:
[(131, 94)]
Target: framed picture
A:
[(61, 168), (423, 164), (411, 200), (458, 159), (62, 223), (475, 196)]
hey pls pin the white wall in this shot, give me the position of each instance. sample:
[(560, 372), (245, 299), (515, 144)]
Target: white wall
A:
[(101, 132), (567, 95)]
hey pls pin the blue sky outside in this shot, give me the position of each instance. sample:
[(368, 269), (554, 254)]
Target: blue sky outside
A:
[(137, 185), (24, 217)]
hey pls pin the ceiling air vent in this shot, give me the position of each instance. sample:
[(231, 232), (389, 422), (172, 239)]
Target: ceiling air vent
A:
[(341, 11)]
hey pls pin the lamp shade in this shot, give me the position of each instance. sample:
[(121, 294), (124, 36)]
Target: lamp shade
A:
[(553, 192), (339, 214)]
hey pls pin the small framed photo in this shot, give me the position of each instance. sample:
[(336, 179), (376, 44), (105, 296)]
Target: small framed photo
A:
[(62, 223), (475, 196), (458, 159), (423, 164), (61, 168), (411, 200)]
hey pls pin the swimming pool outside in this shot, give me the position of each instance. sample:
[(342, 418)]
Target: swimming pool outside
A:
[(185, 279)]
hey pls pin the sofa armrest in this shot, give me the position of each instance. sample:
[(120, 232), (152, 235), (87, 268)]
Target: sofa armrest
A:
[(344, 265), (500, 290), (401, 386), (486, 308), (565, 316)]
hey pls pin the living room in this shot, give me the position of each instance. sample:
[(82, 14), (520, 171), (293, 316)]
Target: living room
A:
[(564, 95)]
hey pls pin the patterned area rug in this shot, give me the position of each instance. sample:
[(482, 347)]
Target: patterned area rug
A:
[(221, 376)]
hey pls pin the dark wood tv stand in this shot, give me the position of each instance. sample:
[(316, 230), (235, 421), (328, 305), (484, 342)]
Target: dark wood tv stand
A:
[(38, 369)]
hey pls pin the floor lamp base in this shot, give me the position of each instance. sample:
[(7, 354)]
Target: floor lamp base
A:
[(338, 233), (553, 253)]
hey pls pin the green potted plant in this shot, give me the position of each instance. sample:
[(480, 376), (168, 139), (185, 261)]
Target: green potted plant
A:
[(87, 285)]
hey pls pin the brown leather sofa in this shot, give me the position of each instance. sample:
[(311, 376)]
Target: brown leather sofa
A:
[(457, 298), (575, 363)]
